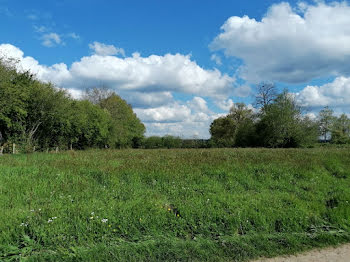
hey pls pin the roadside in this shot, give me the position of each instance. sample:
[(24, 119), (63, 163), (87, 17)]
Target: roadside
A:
[(338, 254)]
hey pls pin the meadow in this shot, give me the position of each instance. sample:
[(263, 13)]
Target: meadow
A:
[(172, 205)]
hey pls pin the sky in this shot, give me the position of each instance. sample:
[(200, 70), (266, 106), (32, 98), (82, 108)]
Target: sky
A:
[(181, 64)]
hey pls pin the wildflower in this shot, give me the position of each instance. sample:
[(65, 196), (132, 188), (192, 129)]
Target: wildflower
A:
[(24, 224), (109, 225), (91, 217), (49, 221), (104, 220), (92, 213), (54, 217), (169, 209)]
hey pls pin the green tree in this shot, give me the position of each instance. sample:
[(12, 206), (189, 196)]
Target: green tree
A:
[(13, 101), (235, 129), (127, 129), (282, 124), (326, 122), (222, 131), (340, 133)]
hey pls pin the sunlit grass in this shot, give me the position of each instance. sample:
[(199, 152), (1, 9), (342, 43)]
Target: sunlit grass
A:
[(147, 205)]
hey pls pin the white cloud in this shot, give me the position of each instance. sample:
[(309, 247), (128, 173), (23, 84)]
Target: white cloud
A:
[(216, 59), (188, 119), (106, 50), (224, 104), (51, 39), (153, 74), (170, 113), (40, 29), (242, 91), (335, 94), (198, 104), (289, 45), (147, 99), (74, 36)]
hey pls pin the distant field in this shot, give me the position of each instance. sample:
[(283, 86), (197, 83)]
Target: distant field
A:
[(177, 205)]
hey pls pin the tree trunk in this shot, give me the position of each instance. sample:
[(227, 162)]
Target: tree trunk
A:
[(56, 149), (1, 150), (13, 148)]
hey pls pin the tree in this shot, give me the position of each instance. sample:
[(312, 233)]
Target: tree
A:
[(341, 130), (236, 129), (282, 124), (266, 94), (326, 122), (13, 101), (222, 131), (96, 94), (127, 129)]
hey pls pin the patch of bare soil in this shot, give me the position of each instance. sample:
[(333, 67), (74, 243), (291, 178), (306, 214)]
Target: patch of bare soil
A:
[(338, 254)]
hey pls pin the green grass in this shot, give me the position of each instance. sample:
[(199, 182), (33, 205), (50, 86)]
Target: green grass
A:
[(176, 205)]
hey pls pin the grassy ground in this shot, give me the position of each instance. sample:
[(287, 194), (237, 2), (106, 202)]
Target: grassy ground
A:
[(148, 205)]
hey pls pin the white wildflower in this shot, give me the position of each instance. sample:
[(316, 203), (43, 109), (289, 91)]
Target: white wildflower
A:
[(104, 220)]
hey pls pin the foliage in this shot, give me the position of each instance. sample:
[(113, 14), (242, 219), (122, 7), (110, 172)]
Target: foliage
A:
[(167, 141), (172, 205), (38, 115), (326, 122), (340, 133), (282, 124), (279, 123), (127, 129)]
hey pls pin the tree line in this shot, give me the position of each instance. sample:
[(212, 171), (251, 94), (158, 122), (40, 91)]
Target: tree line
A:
[(276, 120), (37, 116)]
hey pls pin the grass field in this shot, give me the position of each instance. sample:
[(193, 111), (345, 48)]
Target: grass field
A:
[(176, 205)]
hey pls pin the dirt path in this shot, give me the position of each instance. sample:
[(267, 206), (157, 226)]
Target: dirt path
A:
[(339, 254)]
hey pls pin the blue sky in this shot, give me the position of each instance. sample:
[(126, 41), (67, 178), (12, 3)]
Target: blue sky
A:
[(182, 64)]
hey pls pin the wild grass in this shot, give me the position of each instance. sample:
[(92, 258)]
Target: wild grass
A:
[(172, 205)]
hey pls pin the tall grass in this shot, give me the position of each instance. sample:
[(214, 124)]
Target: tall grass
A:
[(156, 205)]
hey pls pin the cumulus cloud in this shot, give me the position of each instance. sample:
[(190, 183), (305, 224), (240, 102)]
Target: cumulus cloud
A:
[(188, 119), (171, 113), (51, 39), (168, 73), (290, 45), (335, 94), (147, 99), (106, 50), (224, 104)]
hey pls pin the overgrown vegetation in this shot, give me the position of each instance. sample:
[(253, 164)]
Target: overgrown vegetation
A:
[(38, 115), (174, 205), (277, 121)]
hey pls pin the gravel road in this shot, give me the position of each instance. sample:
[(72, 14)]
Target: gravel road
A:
[(338, 254)]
